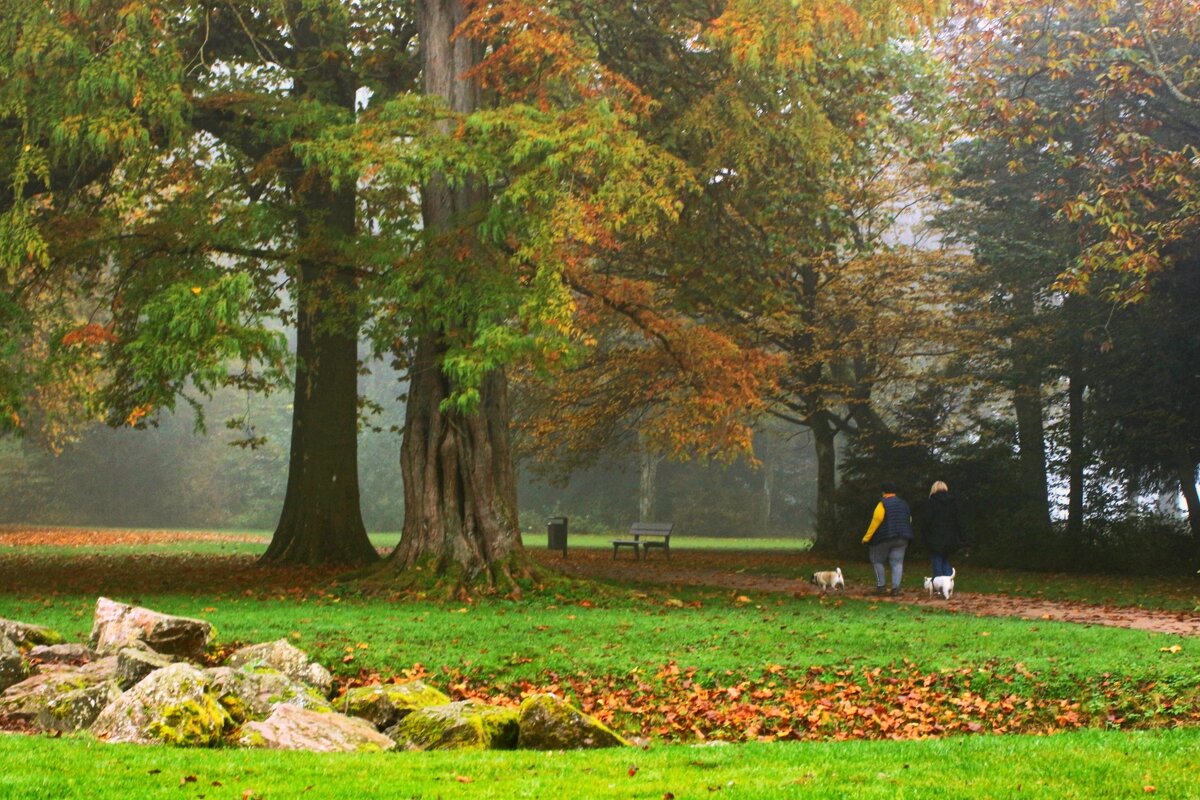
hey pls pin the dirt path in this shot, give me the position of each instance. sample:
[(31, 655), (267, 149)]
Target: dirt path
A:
[(598, 564)]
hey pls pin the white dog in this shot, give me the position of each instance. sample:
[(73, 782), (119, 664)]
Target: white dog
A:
[(831, 579), (942, 584)]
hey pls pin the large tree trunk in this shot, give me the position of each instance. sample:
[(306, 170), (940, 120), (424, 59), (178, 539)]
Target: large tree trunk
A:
[(1031, 448), (824, 442), (321, 521), (460, 489), (1186, 469), (1076, 458), (1027, 366), (648, 462), (766, 496)]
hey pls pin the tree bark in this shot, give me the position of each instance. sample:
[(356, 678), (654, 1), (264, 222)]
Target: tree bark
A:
[(321, 521), (1027, 369), (1186, 470), (460, 489), (824, 442), (1031, 448), (648, 481), (1076, 458), (766, 497)]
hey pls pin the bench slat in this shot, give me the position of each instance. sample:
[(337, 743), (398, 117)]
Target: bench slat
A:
[(652, 528)]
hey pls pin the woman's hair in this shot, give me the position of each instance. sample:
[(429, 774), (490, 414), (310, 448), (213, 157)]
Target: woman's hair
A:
[(938, 486)]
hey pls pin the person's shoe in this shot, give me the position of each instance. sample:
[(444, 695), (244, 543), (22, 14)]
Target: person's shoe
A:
[(897, 592), (880, 590)]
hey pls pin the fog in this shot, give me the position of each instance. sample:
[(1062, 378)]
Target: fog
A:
[(172, 476)]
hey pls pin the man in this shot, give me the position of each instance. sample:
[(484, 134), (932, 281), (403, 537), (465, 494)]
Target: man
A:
[(888, 537)]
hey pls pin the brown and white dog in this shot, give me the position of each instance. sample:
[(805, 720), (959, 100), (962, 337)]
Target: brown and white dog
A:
[(830, 579)]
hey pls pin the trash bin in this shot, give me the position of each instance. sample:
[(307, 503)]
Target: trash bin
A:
[(556, 534)]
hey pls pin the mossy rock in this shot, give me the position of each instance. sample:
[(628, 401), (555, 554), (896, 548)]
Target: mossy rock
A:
[(26, 636), (117, 625), (13, 667), (71, 653), (254, 694), (174, 705), (285, 657), (135, 663), (547, 723), (293, 728), (76, 710), (465, 725), (386, 704), (25, 700)]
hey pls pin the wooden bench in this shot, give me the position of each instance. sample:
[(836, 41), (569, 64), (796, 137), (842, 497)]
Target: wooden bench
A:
[(659, 534)]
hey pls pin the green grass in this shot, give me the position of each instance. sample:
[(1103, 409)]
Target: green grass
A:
[(1090, 764), (637, 630), (623, 636), (624, 632)]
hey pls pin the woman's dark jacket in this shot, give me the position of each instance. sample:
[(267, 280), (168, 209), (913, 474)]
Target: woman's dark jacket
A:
[(942, 528)]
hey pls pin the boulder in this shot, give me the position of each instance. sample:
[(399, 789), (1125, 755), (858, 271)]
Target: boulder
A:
[(13, 668), (253, 695), (135, 663), (547, 723), (282, 655), (76, 710), (464, 725), (68, 653), (294, 728), (172, 705), (387, 704), (117, 625), (25, 700), (26, 636)]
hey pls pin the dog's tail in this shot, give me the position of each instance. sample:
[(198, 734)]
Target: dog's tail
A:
[(838, 571), (953, 572)]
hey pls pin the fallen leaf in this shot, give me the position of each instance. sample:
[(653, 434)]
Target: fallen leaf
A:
[(187, 779), (463, 779), (632, 771)]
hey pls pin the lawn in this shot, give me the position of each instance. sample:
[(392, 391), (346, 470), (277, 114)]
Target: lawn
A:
[(1091, 765), (678, 666)]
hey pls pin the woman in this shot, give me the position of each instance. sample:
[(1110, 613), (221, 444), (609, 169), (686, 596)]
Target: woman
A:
[(942, 528), (893, 521)]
